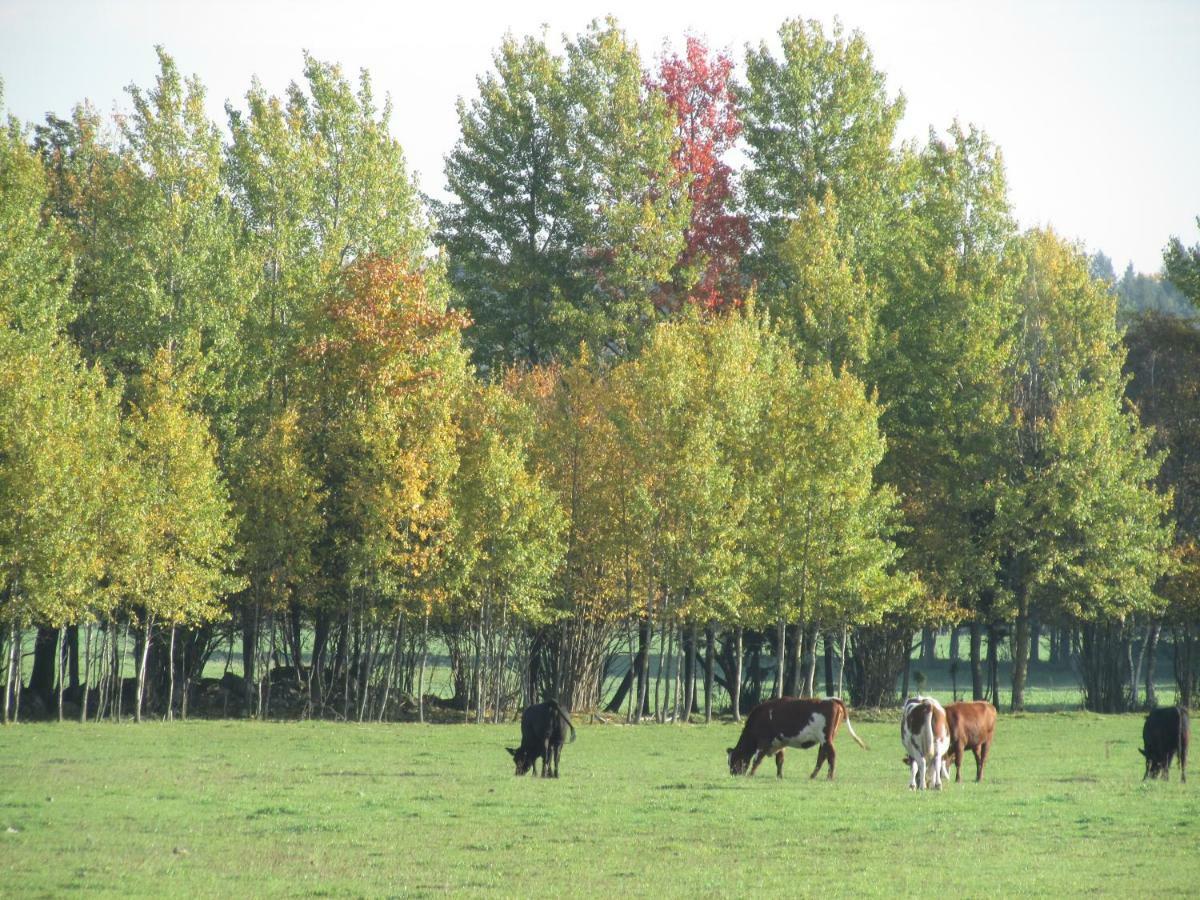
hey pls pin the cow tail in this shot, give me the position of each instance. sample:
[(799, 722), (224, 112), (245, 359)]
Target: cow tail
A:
[(567, 719), (849, 727)]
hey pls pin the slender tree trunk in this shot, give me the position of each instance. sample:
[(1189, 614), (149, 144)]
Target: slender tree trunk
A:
[(976, 662), (842, 659), (794, 635), (659, 714), (954, 643), (737, 674), (993, 662), (120, 654), (710, 653), (810, 677), (1135, 672), (928, 645), (645, 633), (827, 646), (421, 675), (1020, 669), (1151, 656), (87, 674), (14, 653), (171, 678), (1035, 642), (62, 668), (141, 677), (780, 653)]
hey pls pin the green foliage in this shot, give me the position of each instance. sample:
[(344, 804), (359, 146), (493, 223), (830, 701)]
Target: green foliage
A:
[(163, 265), (62, 497), (940, 369), (567, 209), (1182, 265), (508, 524), (822, 300), (818, 120), (35, 268), (1078, 515), (184, 543), (319, 182)]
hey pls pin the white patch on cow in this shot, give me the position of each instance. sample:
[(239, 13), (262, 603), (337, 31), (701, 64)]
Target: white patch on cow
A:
[(813, 732)]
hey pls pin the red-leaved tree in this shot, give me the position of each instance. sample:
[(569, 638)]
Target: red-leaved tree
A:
[(698, 87)]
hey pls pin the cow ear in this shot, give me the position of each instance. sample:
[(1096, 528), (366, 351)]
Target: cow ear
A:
[(511, 752), (1141, 751), (728, 750)]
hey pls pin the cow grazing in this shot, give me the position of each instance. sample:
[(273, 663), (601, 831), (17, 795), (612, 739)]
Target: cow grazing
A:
[(926, 738), (971, 726), (1164, 735), (543, 731), (790, 722)]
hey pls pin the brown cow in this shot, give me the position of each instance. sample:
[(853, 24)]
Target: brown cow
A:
[(790, 722), (971, 725)]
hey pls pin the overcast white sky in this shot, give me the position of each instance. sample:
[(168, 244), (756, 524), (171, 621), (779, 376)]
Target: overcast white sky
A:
[(1093, 103)]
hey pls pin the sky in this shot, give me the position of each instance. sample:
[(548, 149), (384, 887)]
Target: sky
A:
[(1093, 103)]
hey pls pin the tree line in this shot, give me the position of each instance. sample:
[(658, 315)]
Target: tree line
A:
[(610, 398)]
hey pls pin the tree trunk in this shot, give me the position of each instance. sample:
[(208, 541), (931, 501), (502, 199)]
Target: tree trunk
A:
[(1020, 668), (688, 645), (87, 675), (827, 644), (1035, 642), (710, 652), (737, 675), (141, 676), (928, 645), (793, 671), (954, 643), (73, 657), (45, 663), (780, 645), (1151, 655), (421, 675), (810, 651), (171, 678), (976, 666), (645, 632), (993, 663)]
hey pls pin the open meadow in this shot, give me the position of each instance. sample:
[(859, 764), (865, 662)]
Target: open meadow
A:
[(249, 808)]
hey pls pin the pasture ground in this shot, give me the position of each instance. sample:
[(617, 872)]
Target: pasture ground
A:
[(252, 809)]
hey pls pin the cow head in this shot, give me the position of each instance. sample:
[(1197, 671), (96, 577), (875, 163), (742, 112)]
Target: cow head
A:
[(1155, 766), (520, 760), (738, 762)]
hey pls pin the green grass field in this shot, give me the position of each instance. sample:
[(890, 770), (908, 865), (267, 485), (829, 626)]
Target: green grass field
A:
[(246, 808)]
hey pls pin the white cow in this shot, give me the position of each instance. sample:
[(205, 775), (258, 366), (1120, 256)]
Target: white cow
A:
[(926, 738)]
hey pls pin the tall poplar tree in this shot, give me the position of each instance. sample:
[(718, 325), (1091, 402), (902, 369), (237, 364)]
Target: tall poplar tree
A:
[(567, 208)]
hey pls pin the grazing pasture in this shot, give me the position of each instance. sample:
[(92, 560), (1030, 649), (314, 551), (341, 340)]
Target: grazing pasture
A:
[(248, 808)]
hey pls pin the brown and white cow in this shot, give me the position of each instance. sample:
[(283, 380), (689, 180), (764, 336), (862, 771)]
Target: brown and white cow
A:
[(971, 725), (790, 722), (926, 738)]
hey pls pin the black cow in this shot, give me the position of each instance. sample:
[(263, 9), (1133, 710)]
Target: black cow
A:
[(543, 731), (1165, 734)]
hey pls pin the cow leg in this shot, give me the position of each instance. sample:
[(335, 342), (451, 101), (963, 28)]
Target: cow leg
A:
[(758, 758), (831, 758), (916, 767), (1167, 768), (937, 773), (958, 758), (546, 758), (820, 760), (557, 754), (1183, 764), (778, 763), (981, 753)]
